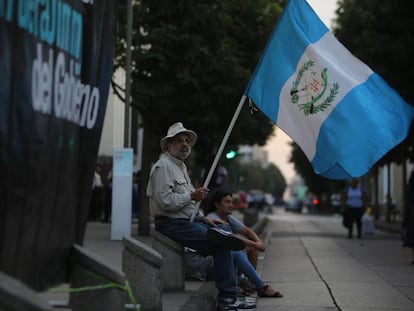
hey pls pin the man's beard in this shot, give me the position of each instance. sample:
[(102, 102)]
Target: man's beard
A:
[(183, 154)]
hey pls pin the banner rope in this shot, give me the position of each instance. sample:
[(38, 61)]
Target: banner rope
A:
[(126, 287)]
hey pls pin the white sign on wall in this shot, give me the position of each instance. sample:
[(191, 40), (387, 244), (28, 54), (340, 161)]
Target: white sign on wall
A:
[(122, 193)]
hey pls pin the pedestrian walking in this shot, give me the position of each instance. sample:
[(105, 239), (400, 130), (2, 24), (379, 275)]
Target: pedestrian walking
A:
[(97, 199), (354, 198)]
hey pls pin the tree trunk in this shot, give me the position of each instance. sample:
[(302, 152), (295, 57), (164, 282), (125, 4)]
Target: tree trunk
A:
[(148, 158), (405, 215), (376, 203), (389, 200)]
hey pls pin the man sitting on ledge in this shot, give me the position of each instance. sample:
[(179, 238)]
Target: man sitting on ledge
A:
[(172, 201)]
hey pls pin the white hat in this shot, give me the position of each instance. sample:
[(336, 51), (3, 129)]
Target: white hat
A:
[(174, 130)]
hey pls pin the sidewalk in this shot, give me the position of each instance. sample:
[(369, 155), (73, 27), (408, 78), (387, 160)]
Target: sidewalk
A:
[(197, 295), (394, 227), (313, 263), (200, 296), (310, 260)]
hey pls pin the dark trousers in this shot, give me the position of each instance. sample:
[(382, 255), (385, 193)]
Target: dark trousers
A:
[(97, 204), (355, 216), (194, 235)]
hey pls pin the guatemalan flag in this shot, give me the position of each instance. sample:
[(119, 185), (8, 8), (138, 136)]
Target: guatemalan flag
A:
[(342, 114)]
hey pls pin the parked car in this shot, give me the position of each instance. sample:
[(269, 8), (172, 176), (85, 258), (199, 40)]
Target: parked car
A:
[(293, 205), (256, 199), (319, 204), (240, 200)]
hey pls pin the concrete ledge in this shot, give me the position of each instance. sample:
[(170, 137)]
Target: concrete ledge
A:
[(204, 299), (88, 258), (141, 265), (172, 268), (259, 226), (250, 216), (88, 269), (16, 296), (388, 227)]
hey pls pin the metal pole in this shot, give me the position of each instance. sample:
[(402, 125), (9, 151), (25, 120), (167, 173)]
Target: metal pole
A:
[(127, 120), (220, 151), (389, 202)]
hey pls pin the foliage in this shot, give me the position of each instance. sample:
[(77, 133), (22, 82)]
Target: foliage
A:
[(252, 176), (315, 183), (191, 63), (381, 34)]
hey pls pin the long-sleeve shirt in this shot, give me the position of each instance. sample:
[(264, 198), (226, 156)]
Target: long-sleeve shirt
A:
[(169, 188)]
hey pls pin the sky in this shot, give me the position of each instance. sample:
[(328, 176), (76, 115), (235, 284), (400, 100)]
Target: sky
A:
[(278, 146)]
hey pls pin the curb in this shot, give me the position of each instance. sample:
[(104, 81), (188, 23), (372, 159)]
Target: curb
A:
[(395, 228), (203, 299)]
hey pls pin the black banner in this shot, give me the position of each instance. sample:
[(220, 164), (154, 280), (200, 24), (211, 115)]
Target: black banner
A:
[(56, 60)]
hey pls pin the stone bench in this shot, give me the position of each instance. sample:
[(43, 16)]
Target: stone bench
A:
[(141, 265), (172, 268), (250, 216), (17, 296), (88, 269)]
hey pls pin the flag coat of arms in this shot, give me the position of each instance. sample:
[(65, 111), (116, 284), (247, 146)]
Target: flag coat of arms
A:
[(343, 115)]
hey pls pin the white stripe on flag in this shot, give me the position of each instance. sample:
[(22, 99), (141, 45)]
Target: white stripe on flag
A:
[(342, 68), (343, 116)]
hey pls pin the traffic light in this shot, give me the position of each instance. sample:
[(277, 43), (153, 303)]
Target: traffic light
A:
[(231, 154)]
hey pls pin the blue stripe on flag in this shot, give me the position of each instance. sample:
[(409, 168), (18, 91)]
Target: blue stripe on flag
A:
[(369, 120), (283, 51)]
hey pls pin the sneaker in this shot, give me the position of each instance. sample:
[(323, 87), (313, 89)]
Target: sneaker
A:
[(225, 239), (227, 304), (248, 299)]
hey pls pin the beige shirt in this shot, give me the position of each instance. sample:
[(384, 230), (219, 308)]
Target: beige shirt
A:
[(169, 188)]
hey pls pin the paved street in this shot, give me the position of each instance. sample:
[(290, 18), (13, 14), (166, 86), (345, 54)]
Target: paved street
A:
[(310, 259)]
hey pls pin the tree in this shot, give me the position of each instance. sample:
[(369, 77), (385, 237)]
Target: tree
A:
[(381, 34), (315, 183), (273, 181), (252, 176), (191, 63)]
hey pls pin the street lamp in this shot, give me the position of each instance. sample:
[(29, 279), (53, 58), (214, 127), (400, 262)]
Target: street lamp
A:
[(127, 120)]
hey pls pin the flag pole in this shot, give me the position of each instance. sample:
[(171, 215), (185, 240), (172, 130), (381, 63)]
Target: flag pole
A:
[(220, 151)]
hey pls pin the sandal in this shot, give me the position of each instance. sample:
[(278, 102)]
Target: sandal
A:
[(268, 291)]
